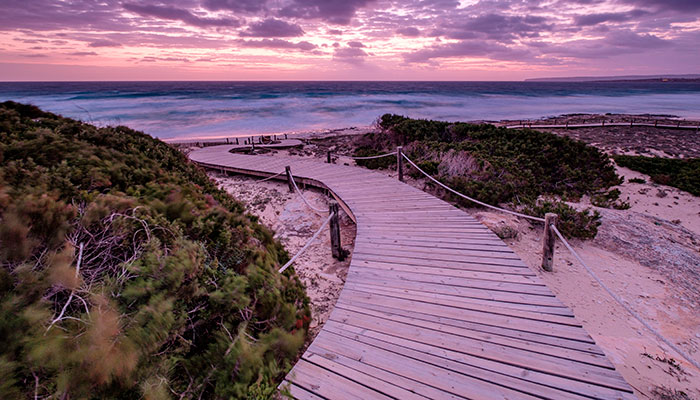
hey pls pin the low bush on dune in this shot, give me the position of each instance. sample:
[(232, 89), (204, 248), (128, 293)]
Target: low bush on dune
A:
[(125, 273), (499, 165), (683, 174)]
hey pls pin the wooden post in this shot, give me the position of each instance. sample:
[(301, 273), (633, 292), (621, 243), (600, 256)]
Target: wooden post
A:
[(336, 248), (285, 135), (236, 140), (290, 180), (227, 141), (399, 162), (548, 242), (328, 157)]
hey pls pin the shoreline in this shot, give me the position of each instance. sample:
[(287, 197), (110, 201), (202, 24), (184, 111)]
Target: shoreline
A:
[(580, 119)]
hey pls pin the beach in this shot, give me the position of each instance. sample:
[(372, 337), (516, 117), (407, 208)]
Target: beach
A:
[(647, 254)]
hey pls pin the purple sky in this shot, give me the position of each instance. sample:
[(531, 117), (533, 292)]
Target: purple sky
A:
[(345, 39)]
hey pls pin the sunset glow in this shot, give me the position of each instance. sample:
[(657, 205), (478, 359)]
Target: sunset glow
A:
[(345, 39)]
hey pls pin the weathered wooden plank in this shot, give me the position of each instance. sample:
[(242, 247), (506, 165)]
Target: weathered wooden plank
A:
[(455, 360), (507, 355)]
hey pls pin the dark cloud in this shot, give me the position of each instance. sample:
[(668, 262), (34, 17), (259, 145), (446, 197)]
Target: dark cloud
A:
[(335, 31), (356, 44), (594, 19), (46, 15), (667, 5), (338, 12), (179, 14), (350, 55), (104, 43), (613, 44), (277, 44), (239, 6), (82, 53), (272, 27), (408, 31), (499, 27), (467, 48)]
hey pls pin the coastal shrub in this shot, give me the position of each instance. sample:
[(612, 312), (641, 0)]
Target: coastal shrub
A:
[(610, 199), (683, 174), (637, 180), (579, 224), (126, 273), (497, 165)]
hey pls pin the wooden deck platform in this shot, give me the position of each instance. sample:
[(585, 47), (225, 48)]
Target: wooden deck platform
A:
[(435, 305)]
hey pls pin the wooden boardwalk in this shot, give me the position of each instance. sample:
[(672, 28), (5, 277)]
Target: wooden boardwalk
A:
[(434, 306)]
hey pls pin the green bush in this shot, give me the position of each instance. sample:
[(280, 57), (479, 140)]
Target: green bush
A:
[(571, 223), (177, 290), (683, 174), (506, 166), (610, 199)]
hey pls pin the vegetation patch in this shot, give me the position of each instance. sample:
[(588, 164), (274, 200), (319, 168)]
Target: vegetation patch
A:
[(125, 273), (683, 174), (499, 165)]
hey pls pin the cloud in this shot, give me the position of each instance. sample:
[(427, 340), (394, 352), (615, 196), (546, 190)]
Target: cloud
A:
[(104, 43), (272, 27), (82, 53), (339, 12), (667, 5), (594, 19), (356, 44), (408, 31), (239, 6), (179, 14), (350, 55), (613, 44), (277, 44), (498, 27), (469, 48)]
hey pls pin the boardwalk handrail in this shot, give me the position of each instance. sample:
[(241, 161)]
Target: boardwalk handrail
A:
[(373, 157), (316, 210), (619, 300), (606, 123), (263, 180), (469, 198), (308, 243)]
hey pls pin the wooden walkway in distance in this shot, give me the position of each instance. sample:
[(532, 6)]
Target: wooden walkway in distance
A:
[(435, 305)]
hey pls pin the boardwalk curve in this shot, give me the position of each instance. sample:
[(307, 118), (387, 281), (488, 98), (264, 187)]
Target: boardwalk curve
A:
[(435, 305)]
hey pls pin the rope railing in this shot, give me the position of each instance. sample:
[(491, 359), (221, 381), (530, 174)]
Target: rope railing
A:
[(481, 203), (308, 243), (263, 180), (316, 210), (330, 153), (621, 302), (374, 157)]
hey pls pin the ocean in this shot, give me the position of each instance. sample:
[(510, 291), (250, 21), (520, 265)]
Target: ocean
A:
[(186, 110)]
